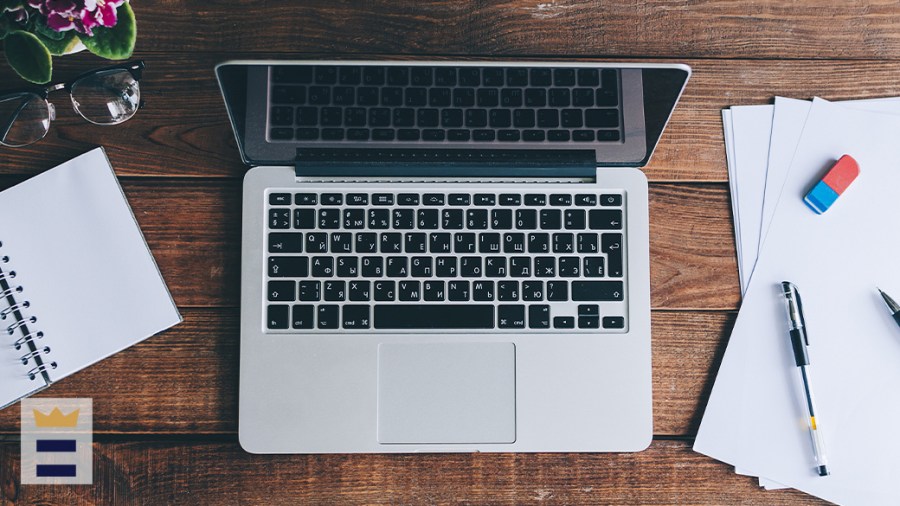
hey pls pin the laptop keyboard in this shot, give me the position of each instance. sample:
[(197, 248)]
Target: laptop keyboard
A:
[(444, 104), (445, 260)]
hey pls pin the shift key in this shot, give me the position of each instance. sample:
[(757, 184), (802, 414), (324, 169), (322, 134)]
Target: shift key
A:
[(598, 291)]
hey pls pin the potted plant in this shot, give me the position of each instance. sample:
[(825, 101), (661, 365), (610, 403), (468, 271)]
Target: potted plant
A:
[(33, 31)]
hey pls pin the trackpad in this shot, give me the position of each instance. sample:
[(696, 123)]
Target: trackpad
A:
[(446, 393)]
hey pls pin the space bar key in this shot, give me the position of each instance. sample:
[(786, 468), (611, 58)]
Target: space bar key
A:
[(434, 316)]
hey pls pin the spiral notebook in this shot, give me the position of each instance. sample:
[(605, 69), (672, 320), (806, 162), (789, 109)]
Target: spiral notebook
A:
[(77, 280)]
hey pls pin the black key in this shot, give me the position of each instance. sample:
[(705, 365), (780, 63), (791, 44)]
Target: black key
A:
[(285, 242), (280, 199), (500, 118), (404, 219), (415, 97), (571, 118), (560, 97), (545, 267), (510, 199), (347, 267), (302, 316), (341, 242), (398, 76), (593, 267), (605, 219), (373, 76), (509, 135), (391, 96), (359, 291), (488, 242), (585, 199), (488, 97), (517, 76), (357, 199), (588, 77), (458, 199), (588, 310), (548, 118), (404, 117), (558, 291), (372, 267), (367, 96), (282, 291), (416, 242), (391, 242), (563, 322), (293, 74), (501, 219), (421, 267), (470, 267), (358, 134), (343, 95), (451, 118), (560, 200), (608, 95), (317, 242), (535, 199), (439, 97), (539, 316), (614, 322), (307, 116), (420, 76), (511, 97), (601, 118), (310, 291), (379, 218), (328, 316), (326, 74), (607, 135), (569, 267), (279, 218), (469, 76), (382, 134), (408, 199), (379, 117), (458, 290), (288, 267), (282, 134), (445, 76), (495, 267), (513, 243), (349, 75), (427, 219), (409, 290), (397, 267), (329, 218), (558, 135), (463, 97), (322, 267), (520, 267), (597, 291), (428, 118), (452, 219), (588, 322), (383, 199), (332, 199), (476, 118), (551, 219), (434, 316), (564, 77), (508, 291), (492, 76), (535, 97), (439, 243), (610, 200), (334, 290), (541, 77), (459, 135), (355, 117), (611, 244), (366, 242), (445, 267), (433, 291), (277, 316), (483, 291), (332, 134), (319, 95), (511, 316), (573, 219), (583, 97), (526, 219), (384, 291), (477, 219), (484, 199), (563, 243), (433, 135), (587, 243), (282, 115), (538, 243), (355, 316), (464, 242), (533, 290), (533, 135)]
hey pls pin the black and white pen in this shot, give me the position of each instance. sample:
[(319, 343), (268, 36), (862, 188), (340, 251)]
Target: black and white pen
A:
[(800, 341), (892, 305)]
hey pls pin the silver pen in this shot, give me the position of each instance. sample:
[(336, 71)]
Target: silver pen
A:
[(799, 341)]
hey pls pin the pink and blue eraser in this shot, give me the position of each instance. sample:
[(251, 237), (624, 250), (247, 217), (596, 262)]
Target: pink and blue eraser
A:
[(838, 178)]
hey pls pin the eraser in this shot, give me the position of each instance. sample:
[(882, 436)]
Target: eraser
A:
[(838, 178)]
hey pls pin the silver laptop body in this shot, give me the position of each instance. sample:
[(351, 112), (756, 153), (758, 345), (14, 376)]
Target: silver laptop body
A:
[(572, 375)]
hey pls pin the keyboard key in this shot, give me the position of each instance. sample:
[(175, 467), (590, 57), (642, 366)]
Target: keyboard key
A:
[(445, 76), (484, 135), (355, 117), (470, 267), (488, 97), (367, 96), (277, 316), (574, 219), (434, 316), (281, 115), (302, 316), (281, 291), (372, 267), (329, 218), (533, 135), (587, 243), (358, 134), (484, 199), (532, 290), (564, 77), (373, 76), (558, 291), (397, 267), (469, 76), (610, 200), (501, 219), (383, 134), (588, 322), (511, 316), (391, 96), (366, 242), (535, 97), (293, 74), (495, 267), (563, 322), (588, 77), (458, 290), (328, 316), (476, 118), (319, 95), (398, 76), (601, 118), (421, 267), (611, 244), (404, 117), (535, 199), (563, 243), (332, 134), (384, 291), (509, 135), (307, 116), (585, 199), (548, 118), (440, 97), (326, 74), (558, 135), (511, 97), (317, 242), (517, 76), (359, 291), (355, 317), (508, 290), (571, 118), (597, 291), (433, 291), (560, 200), (415, 97), (343, 95), (605, 219), (569, 267), (439, 243), (464, 242), (350, 75), (279, 218), (526, 219), (560, 97), (347, 267), (545, 267), (433, 135), (421, 76), (379, 117), (482, 291), (510, 199), (428, 118), (322, 267), (409, 290), (282, 134), (594, 267), (285, 242), (538, 243), (403, 219), (288, 267), (607, 135), (539, 316), (583, 97), (463, 97), (551, 219), (492, 76), (445, 267), (488, 242), (520, 267), (415, 242), (459, 135), (280, 199), (334, 290), (341, 242), (379, 218), (452, 219), (614, 322), (477, 219), (310, 291), (541, 77), (391, 242)]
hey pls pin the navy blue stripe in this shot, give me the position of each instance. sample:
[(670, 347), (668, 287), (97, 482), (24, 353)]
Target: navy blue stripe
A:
[(56, 445), (55, 470)]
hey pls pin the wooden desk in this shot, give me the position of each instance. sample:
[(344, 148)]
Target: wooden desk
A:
[(166, 410)]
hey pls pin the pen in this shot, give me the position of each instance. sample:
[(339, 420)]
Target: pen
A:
[(800, 341), (892, 305)]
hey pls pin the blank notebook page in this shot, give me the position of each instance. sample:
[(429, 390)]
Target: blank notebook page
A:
[(84, 267)]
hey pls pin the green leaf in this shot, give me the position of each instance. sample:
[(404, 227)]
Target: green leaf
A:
[(60, 46), (4, 27), (28, 57), (116, 43), (41, 29)]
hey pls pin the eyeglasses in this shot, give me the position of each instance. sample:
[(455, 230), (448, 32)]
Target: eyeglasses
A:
[(106, 96)]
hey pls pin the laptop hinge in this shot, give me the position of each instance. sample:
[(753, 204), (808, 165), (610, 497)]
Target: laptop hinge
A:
[(398, 162)]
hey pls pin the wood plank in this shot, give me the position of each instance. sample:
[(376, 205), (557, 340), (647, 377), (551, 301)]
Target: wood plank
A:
[(193, 229), (221, 473), (184, 381), (693, 28), (183, 131)]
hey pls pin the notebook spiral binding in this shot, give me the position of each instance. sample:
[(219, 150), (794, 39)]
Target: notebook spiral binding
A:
[(14, 313)]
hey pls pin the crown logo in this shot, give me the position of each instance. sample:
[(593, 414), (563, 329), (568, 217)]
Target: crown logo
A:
[(56, 418)]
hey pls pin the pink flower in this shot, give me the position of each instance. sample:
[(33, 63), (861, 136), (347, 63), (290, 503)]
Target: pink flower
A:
[(79, 15)]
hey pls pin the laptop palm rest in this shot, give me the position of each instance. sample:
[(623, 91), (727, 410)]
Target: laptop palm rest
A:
[(446, 393)]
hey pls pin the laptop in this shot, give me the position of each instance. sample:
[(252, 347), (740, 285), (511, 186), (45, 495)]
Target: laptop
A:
[(446, 256)]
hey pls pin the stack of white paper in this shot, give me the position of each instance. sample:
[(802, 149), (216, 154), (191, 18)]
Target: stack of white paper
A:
[(755, 418)]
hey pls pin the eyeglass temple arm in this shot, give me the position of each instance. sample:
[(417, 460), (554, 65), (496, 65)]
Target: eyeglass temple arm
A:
[(12, 119)]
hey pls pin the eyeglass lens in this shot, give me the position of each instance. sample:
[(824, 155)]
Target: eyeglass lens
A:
[(106, 97), (24, 118)]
